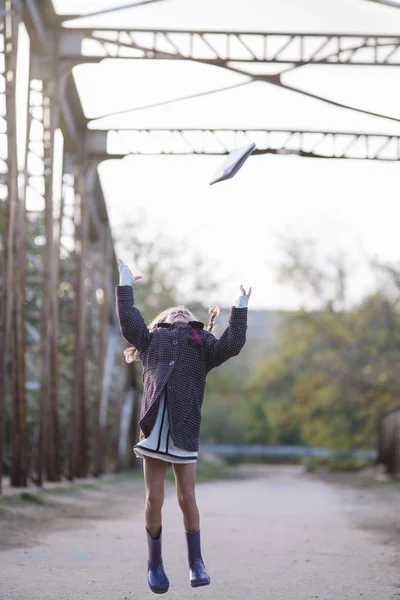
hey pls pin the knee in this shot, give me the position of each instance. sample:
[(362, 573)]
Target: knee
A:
[(186, 500), (154, 500)]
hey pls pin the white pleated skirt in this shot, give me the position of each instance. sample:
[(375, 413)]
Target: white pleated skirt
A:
[(159, 443)]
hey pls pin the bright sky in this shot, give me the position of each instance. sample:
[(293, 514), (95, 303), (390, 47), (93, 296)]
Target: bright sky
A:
[(350, 206)]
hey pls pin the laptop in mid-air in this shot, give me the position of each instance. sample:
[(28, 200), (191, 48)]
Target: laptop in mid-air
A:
[(233, 162)]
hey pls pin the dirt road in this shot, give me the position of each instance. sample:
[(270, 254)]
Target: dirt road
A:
[(275, 534)]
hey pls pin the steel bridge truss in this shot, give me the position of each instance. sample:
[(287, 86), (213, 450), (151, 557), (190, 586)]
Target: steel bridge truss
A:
[(222, 48), (306, 143), (54, 232)]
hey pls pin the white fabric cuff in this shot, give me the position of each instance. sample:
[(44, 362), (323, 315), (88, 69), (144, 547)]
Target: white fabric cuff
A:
[(125, 277), (242, 302)]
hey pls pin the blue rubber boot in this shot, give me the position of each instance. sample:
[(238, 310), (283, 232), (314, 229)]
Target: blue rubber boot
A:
[(198, 573), (158, 581)]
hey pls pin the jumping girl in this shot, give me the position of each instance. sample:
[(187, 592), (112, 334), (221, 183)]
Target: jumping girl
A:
[(177, 353)]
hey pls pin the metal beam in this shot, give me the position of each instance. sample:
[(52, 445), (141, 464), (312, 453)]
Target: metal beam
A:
[(73, 121), (308, 143), (390, 3), (104, 11), (11, 302), (222, 47), (33, 18), (99, 227)]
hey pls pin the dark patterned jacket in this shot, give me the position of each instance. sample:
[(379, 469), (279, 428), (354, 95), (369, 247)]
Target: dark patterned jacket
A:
[(177, 358)]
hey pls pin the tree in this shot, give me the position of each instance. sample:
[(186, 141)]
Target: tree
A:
[(334, 369)]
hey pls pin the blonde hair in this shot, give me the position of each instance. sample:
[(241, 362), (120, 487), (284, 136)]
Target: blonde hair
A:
[(213, 311), (131, 354)]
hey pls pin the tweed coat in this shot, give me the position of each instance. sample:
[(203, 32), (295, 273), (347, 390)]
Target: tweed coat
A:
[(177, 359)]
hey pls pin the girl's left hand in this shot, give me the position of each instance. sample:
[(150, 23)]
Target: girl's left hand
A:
[(244, 293)]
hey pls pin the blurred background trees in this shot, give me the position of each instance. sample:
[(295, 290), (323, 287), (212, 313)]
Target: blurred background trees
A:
[(332, 371)]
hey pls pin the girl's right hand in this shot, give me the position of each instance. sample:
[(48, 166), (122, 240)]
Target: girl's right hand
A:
[(125, 274)]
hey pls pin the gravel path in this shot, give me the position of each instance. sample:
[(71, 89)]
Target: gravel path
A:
[(275, 534)]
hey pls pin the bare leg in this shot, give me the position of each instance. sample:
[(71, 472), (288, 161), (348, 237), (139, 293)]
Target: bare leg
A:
[(185, 478), (154, 475)]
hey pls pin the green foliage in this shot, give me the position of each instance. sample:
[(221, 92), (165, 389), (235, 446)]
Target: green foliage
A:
[(334, 368), (22, 498), (222, 421), (32, 498)]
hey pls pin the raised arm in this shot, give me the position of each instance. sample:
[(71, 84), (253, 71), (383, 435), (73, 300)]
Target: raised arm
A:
[(131, 322), (233, 338)]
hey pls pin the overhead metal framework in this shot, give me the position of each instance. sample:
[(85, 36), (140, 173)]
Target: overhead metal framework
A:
[(307, 143), (390, 3), (220, 48), (109, 10), (57, 259), (237, 52)]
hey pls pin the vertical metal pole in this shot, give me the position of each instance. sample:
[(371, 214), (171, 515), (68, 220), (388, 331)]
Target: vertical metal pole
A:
[(41, 433), (11, 22), (79, 416), (56, 278), (51, 110), (19, 472), (48, 258), (103, 267), (67, 310), (4, 321)]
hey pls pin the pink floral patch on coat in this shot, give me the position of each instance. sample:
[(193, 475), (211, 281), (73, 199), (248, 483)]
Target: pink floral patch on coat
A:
[(196, 338)]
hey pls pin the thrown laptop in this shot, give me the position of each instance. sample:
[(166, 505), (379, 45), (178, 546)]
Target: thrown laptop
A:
[(233, 162)]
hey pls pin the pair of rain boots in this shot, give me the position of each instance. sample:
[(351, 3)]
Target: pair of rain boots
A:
[(157, 578)]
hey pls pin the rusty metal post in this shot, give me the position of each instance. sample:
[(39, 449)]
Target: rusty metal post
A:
[(20, 464), (54, 86), (102, 265), (50, 118), (79, 450), (10, 36)]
